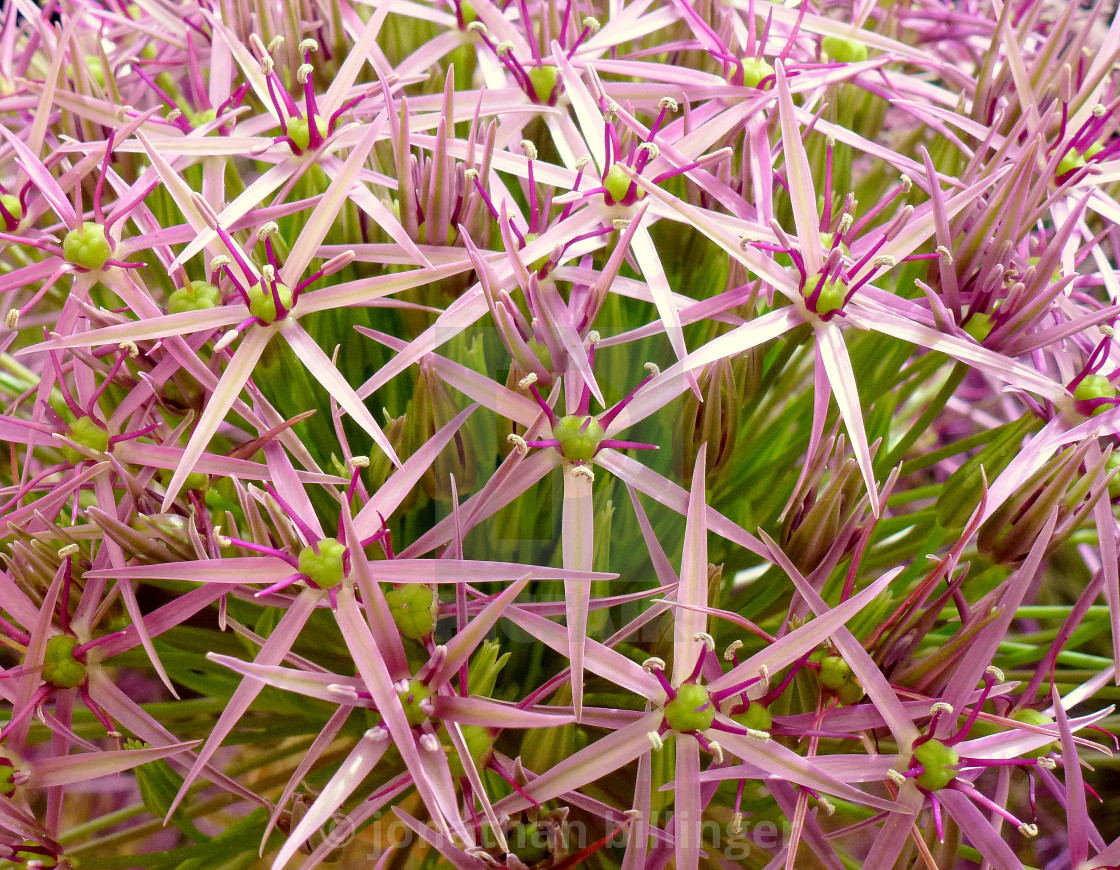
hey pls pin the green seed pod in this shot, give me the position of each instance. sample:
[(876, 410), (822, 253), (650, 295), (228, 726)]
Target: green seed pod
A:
[(60, 668), (691, 710), (749, 72), (961, 492), (542, 78), (1095, 387), (414, 607), (196, 296), (850, 692), (87, 247), (529, 842), (938, 762), (262, 305), (86, 432), (579, 437), (844, 50), (325, 567)]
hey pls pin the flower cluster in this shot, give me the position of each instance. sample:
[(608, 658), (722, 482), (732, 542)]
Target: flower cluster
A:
[(544, 435)]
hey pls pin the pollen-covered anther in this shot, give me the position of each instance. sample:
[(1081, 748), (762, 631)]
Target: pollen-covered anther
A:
[(519, 443), (995, 673), (304, 73), (760, 736), (732, 648), (884, 261), (652, 368), (737, 823), (668, 103), (582, 162), (427, 707), (267, 229), (651, 149), (828, 806), (706, 639), (527, 381), (716, 750), (470, 174), (268, 273), (1028, 830), (945, 254), (1108, 330), (583, 471), (11, 320), (401, 687), (223, 542), (174, 115), (896, 777), (130, 348), (610, 113), (226, 340), (503, 48), (377, 733), (358, 462), (653, 663), (219, 261), (655, 740), (429, 742), (593, 337), (276, 43), (340, 689), (941, 707), (764, 675), (1099, 111), (620, 223), (845, 224), (1046, 762), (592, 24), (529, 148), (478, 27), (69, 550), (267, 66), (308, 45), (906, 183)]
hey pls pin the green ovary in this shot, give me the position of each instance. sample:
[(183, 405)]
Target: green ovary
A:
[(1095, 387), (1033, 717), (194, 297), (262, 305), (755, 717), (617, 184), (479, 744), (579, 437), (844, 50), (834, 672), (87, 247), (542, 78), (414, 608), (832, 295), (299, 131), (411, 699), (12, 206), (325, 567), (87, 433), (691, 710), (755, 69), (979, 326), (60, 668), (938, 762)]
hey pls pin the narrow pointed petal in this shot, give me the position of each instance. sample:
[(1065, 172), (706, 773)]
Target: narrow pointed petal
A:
[(578, 537), (693, 588), (803, 197), (687, 806)]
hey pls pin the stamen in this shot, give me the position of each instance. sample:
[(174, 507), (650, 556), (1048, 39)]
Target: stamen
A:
[(308, 46), (429, 742), (655, 740), (884, 261), (339, 689), (69, 550), (737, 823), (705, 638), (478, 27), (593, 25), (12, 318), (226, 340), (358, 462), (593, 337), (276, 43), (650, 149), (764, 676), (941, 707), (581, 164), (610, 113), (130, 348), (846, 221), (669, 104), (1046, 763), (527, 381), (265, 230), (304, 73), (906, 182), (945, 254), (519, 443), (503, 48), (652, 368), (621, 224), (760, 736), (653, 663), (729, 653), (995, 673), (377, 733), (583, 471), (220, 262), (717, 751), (223, 542), (828, 806), (529, 148), (896, 777), (1028, 830)]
